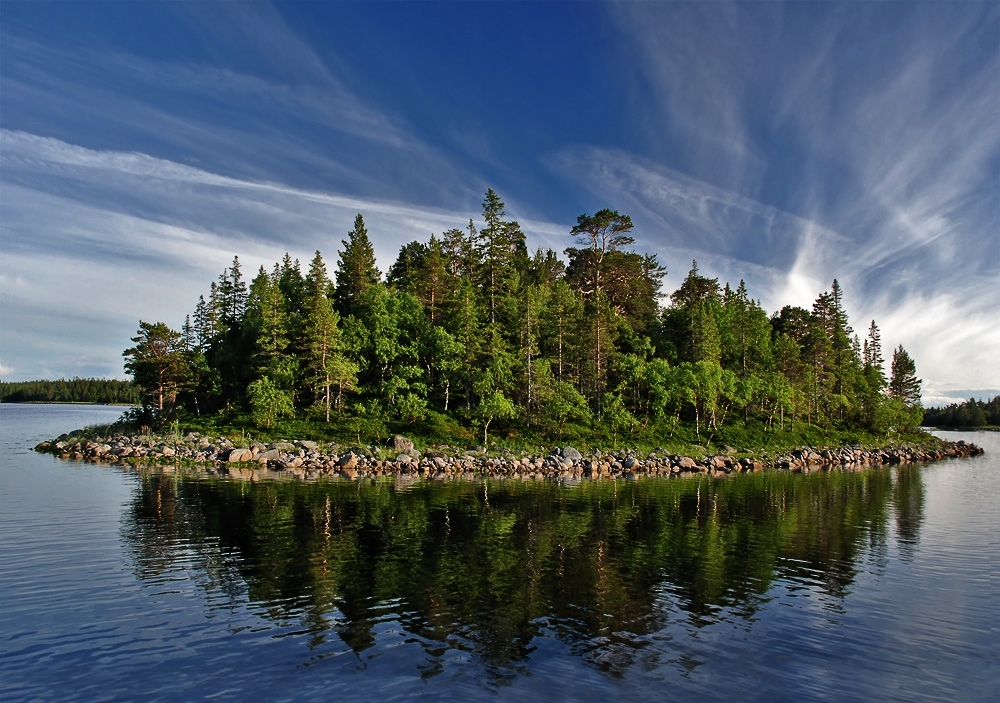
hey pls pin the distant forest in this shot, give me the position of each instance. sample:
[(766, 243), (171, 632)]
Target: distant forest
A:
[(76, 390), (469, 328), (971, 413)]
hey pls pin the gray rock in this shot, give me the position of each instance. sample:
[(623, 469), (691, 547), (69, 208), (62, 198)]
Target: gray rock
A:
[(308, 445), (402, 444), (630, 463), (571, 453), (269, 455)]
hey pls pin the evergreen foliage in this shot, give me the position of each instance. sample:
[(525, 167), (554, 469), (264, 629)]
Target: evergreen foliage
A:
[(75, 390), (970, 413), (470, 331)]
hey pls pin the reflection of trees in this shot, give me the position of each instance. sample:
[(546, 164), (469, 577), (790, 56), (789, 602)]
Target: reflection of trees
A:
[(908, 504), (595, 565)]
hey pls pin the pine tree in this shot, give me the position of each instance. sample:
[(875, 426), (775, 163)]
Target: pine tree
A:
[(903, 382), (325, 358), (356, 271), (158, 366)]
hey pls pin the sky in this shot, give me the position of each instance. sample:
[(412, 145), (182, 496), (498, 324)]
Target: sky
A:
[(143, 145)]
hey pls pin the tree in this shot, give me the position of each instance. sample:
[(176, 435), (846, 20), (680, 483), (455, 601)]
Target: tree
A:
[(356, 271), (157, 365), (268, 402), (601, 233), (322, 334), (503, 253), (903, 382)]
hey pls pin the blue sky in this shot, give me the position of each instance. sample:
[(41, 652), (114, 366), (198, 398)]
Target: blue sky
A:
[(142, 145)]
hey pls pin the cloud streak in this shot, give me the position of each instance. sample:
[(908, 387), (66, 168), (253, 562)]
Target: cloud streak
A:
[(96, 240)]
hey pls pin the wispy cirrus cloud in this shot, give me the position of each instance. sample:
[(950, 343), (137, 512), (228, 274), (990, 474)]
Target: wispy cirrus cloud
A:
[(807, 144), (96, 240)]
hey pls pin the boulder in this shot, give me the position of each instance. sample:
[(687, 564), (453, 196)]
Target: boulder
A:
[(308, 445), (686, 462), (268, 455), (239, 455), (348, 461), (402, 444), (571, 453)]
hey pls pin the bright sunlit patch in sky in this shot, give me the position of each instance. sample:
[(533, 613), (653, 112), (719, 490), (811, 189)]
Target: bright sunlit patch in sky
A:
[(143, 145)]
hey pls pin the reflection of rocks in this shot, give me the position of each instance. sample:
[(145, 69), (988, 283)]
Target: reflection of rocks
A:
[(308, 460)]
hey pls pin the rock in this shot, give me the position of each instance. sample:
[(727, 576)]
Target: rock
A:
[(348, 461), (686, 462), (268, 455), (571, 453), (308, 445), (401, 444), (238, 455), (282, 446), (167, 451), (630, 463), (404, 459)]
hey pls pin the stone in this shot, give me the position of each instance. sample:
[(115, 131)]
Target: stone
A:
[(630, 463), (308, 445), (348, 461), (167, 451), (686, 462), (402, 445), (571, 453), (238, 455), (268, 455)]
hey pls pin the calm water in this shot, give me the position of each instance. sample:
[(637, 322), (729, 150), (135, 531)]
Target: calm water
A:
[(118, 585)]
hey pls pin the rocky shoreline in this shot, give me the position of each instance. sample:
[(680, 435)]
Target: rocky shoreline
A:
[(306, 460)]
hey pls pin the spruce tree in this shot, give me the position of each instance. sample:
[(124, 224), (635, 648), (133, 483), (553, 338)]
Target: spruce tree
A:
[(356, 271), (903, 382)]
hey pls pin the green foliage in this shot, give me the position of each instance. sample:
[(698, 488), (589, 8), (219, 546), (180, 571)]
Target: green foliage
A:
[(971, 413), (471, 332), (268, 402), (76, 390)]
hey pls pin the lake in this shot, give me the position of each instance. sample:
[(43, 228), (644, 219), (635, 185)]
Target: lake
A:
[(125, 585)]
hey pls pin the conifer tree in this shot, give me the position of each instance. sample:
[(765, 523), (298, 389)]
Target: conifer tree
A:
[(903, 382), (326, 362), (356, 271), (157, 365)]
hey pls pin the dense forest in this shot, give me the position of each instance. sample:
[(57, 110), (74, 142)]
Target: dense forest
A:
[(76, 390), (971, 413), (470, 330)]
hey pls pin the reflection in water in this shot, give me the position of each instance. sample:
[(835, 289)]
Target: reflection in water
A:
[(481, 571)]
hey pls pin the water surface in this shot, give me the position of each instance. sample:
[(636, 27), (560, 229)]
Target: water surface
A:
[(118, 585)]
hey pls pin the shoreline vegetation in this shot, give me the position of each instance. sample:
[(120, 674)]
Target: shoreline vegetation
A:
[(93, 391), (472, 340), (469, 340)]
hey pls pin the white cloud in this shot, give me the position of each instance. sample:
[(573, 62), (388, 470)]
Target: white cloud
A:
[(96, 240)]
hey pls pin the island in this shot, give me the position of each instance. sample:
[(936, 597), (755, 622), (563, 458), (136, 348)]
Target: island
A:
[(471, 346)]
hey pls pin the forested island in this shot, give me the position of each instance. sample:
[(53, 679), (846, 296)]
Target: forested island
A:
[(972, 414), (104, 391), (470, 337)]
